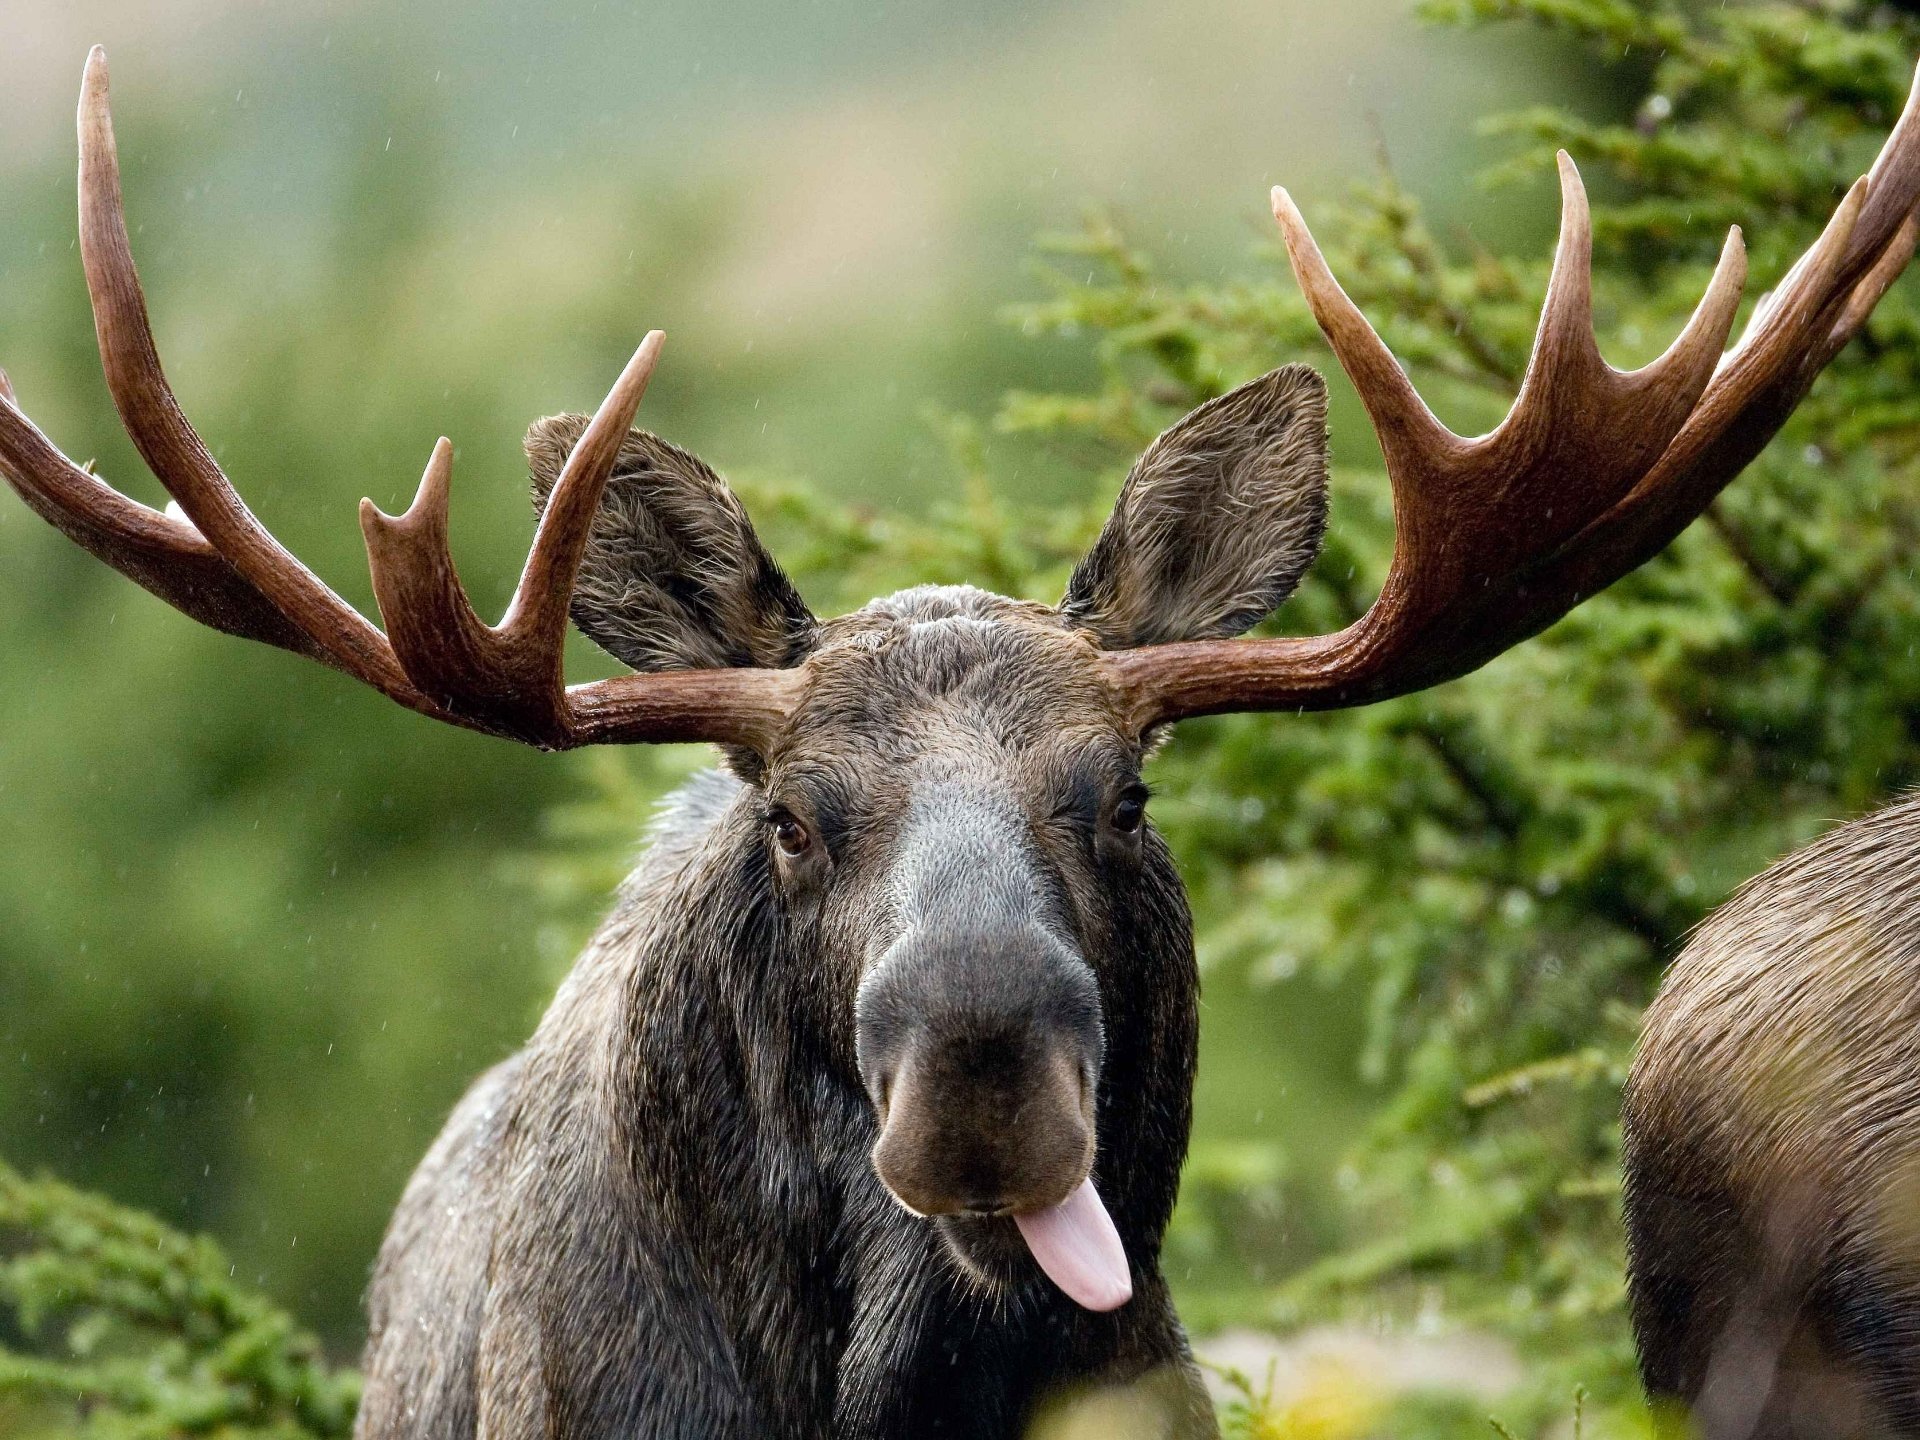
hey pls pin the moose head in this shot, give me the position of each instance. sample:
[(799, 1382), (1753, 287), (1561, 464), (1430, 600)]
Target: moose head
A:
[(944, 787)]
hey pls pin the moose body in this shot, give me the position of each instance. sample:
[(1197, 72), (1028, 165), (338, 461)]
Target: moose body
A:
[(661, 1217), (1772, 1151), (864, 1113)]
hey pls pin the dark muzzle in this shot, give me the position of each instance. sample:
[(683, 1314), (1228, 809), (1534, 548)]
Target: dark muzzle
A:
[(982, 1054)]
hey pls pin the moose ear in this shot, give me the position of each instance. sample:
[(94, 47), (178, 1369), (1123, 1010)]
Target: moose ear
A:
[(673, 577), (1217, 522)]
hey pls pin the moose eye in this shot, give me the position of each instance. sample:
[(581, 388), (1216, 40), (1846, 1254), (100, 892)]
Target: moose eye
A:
[(1131, 810), (789, 834)]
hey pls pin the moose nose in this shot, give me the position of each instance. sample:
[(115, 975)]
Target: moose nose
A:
[(981, 1048), (985, 1124)]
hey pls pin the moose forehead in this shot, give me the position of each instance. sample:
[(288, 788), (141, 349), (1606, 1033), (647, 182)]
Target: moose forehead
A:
[(952, 678)]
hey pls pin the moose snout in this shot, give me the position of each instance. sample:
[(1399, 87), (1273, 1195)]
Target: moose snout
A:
[(982, 1057), (984, 1125)]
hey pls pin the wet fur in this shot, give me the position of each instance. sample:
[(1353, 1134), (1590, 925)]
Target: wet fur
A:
[(674, 577), (1217, 521), (1772, 1157), (661, 1218)]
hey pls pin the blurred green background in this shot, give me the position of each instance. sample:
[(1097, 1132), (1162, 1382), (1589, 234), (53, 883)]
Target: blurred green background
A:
[(257, 927)]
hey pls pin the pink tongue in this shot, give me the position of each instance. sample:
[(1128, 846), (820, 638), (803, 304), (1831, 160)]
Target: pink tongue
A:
[(1076, 1244)]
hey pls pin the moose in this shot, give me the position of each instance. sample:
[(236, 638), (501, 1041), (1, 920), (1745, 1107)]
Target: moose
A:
[(864, 1112), (1772, 1151)]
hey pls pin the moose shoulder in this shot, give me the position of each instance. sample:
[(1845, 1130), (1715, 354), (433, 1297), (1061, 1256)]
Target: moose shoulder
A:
[(863, 1114)]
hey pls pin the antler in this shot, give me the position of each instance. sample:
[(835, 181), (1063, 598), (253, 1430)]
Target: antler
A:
[(1593, 471), (207, 555)]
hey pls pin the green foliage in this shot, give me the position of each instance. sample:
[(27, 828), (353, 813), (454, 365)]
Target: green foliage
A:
[(129, 1330)]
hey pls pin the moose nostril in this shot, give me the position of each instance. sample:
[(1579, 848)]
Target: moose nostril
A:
[(996, 1205)]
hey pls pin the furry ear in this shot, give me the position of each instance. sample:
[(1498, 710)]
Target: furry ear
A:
[(673, 577), (1216, 523)]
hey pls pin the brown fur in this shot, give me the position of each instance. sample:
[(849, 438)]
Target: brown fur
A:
[(1773, 1150), (1216, 523), (754, 1173), (674, 577)]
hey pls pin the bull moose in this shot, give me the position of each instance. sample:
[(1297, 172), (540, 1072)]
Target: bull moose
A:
[(1772, 1151), (864, 1112)]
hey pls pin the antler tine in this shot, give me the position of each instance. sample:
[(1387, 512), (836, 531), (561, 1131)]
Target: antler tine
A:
[(508, 677), (163, 555), (430, 624), (538, 614), (1569, 386), (1876, 283), (1810, 285), (1695, 352), (1759, 382), (1394, 406), (1591, 473), (1563, 340), (1862, 239), (168, 442), (1892, 182)]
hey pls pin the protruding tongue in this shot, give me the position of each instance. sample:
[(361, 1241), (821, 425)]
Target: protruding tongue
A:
[(1076, 1244)]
